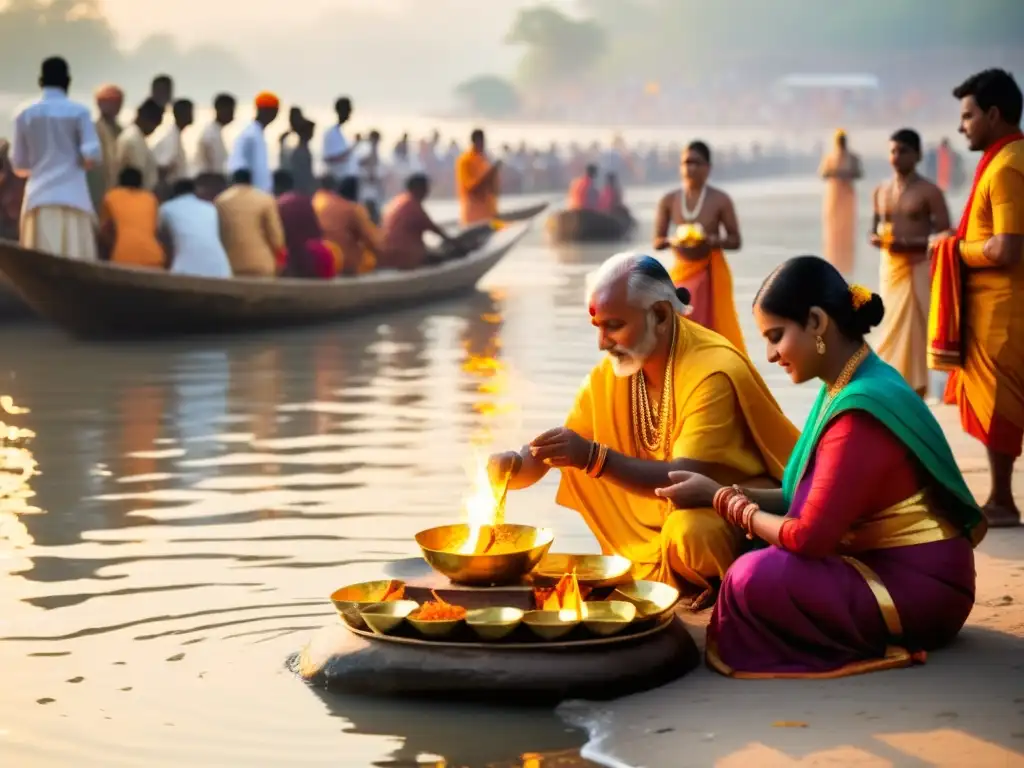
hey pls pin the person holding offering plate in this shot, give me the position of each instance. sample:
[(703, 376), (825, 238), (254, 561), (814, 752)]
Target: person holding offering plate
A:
[(703, 225), (669, 395)]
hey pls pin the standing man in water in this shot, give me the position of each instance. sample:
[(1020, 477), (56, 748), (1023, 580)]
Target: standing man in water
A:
[(840, 169), (908, 211), (55, 143), (476, 182), (987, 360), (700, 264)]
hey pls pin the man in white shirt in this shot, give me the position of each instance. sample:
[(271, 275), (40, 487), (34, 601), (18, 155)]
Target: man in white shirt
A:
[(190, 232), (55, 143), (340, 157), (131, 149), (212, 155), (169, 150), (250, 150)]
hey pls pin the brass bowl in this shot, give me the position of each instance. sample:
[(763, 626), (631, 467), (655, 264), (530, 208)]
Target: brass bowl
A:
[(494, 623), (591, 570), (653, 600), (608, 617), (348, 601), (515, 551), (385, 618), (551, 625)]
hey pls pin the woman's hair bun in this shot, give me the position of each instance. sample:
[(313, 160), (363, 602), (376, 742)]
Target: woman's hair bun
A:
[(869, 314), (683, 294)]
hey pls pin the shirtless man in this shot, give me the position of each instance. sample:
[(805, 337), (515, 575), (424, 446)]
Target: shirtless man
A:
[(700, 264), (909, 209)]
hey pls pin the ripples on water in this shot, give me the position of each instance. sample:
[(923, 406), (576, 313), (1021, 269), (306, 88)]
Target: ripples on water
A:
[(173, 515)]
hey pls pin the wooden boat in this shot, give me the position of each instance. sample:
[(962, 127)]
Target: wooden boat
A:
[(511, 216), (11, 305), (586, 226), (102, 299)]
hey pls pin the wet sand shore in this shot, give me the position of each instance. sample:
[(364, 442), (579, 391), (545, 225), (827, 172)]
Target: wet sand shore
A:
[(963, 709)]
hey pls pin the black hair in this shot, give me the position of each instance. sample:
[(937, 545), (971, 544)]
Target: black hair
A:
[(224, 101), (159, 81), (348, 188), (343, 106), (241, 176), (908, 138), (654, 269), (183, 187), (181, 106), (151, 110), (701, 149), (808, 281), (283, 181), (477, 135), (417, 180), (54, 73), (591, 170), (130, 177), (993, 88)]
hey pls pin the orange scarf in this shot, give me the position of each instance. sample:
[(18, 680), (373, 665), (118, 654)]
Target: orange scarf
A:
[(945, 315)]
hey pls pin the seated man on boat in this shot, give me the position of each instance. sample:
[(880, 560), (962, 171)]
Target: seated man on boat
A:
[(309, 255), (250, 228), (583, 192), (405, 222), (190, 233), (610, 201), (347, 225), (128, 224), (476, 182), (870, 559), (669, 395)]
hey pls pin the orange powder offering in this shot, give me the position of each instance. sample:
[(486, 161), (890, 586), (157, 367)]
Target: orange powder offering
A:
[(438, 611)]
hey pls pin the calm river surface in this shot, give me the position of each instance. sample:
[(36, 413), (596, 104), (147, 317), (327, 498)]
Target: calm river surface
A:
[(174, 515)]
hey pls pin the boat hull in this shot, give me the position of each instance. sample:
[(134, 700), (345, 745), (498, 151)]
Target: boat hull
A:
[(584, 226)]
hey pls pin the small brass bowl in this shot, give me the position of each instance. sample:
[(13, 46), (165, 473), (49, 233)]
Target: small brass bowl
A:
[(591, 570), (494, 623), (653, 600), (512, 551), (608, 617), (551, 625), (435, 629), (349, 600), (385, 618)]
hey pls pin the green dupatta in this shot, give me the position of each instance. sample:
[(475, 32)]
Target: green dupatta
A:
[(877, 388)]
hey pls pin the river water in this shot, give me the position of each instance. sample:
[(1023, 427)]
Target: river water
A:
[(174, 514)]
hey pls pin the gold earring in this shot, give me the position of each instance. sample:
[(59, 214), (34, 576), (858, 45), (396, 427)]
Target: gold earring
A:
[(819, 344)]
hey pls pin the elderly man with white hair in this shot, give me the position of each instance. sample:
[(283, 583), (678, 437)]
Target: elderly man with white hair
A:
[(669, 395)]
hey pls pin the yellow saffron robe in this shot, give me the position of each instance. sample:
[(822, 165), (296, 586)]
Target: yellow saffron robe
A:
[(479, 206), (723, 414), (989, 389)]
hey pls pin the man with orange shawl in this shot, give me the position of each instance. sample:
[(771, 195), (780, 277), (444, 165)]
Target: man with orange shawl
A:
[(669, 395), (703, 224), (976, 323), (476, 182)]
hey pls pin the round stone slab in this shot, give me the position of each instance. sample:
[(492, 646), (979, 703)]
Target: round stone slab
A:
[(345, 662)]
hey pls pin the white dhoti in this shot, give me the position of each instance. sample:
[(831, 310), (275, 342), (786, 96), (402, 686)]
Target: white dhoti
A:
[(903, 337), (60, 230)]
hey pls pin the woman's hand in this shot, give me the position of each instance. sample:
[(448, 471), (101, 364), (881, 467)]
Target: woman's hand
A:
[(561, 447), (689, 490)]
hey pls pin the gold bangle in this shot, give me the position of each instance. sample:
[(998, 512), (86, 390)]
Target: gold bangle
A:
[(590, 457), (602, 457)]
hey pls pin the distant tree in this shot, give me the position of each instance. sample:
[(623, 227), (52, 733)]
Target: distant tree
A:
[(489, 96), (557, 47)]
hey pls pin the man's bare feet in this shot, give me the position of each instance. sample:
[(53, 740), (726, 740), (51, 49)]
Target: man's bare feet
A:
[(1001, 515)]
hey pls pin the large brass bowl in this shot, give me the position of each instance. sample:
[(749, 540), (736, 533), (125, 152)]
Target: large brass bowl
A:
[(348, 601), (502, 554), (591, 570)]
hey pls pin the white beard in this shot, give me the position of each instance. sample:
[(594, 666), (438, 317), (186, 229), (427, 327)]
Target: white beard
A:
[(629, 360)]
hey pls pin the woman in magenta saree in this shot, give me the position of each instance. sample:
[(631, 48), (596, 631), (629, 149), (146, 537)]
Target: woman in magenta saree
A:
[(869, 560)]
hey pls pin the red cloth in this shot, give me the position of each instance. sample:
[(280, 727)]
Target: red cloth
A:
[(323, 262), (860, 467), (301, 226), (609, 200)]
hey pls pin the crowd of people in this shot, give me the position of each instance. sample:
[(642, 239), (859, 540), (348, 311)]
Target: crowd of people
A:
[(847, 547)]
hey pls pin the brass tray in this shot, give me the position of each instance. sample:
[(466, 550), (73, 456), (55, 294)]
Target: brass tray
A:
[(514, 643)]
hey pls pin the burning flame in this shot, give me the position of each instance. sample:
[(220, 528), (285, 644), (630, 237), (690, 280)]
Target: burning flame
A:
[(566, 596), (482, 511)]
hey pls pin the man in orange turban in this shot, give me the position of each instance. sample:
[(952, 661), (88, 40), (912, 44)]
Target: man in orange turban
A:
[(250, 150), (103, 177)]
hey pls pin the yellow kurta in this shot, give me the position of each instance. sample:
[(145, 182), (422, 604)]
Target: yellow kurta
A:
[(990, 387), (723, 414)]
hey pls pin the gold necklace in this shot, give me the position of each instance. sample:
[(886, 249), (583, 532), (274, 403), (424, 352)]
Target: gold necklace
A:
[(652, 429), (847, 373)]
